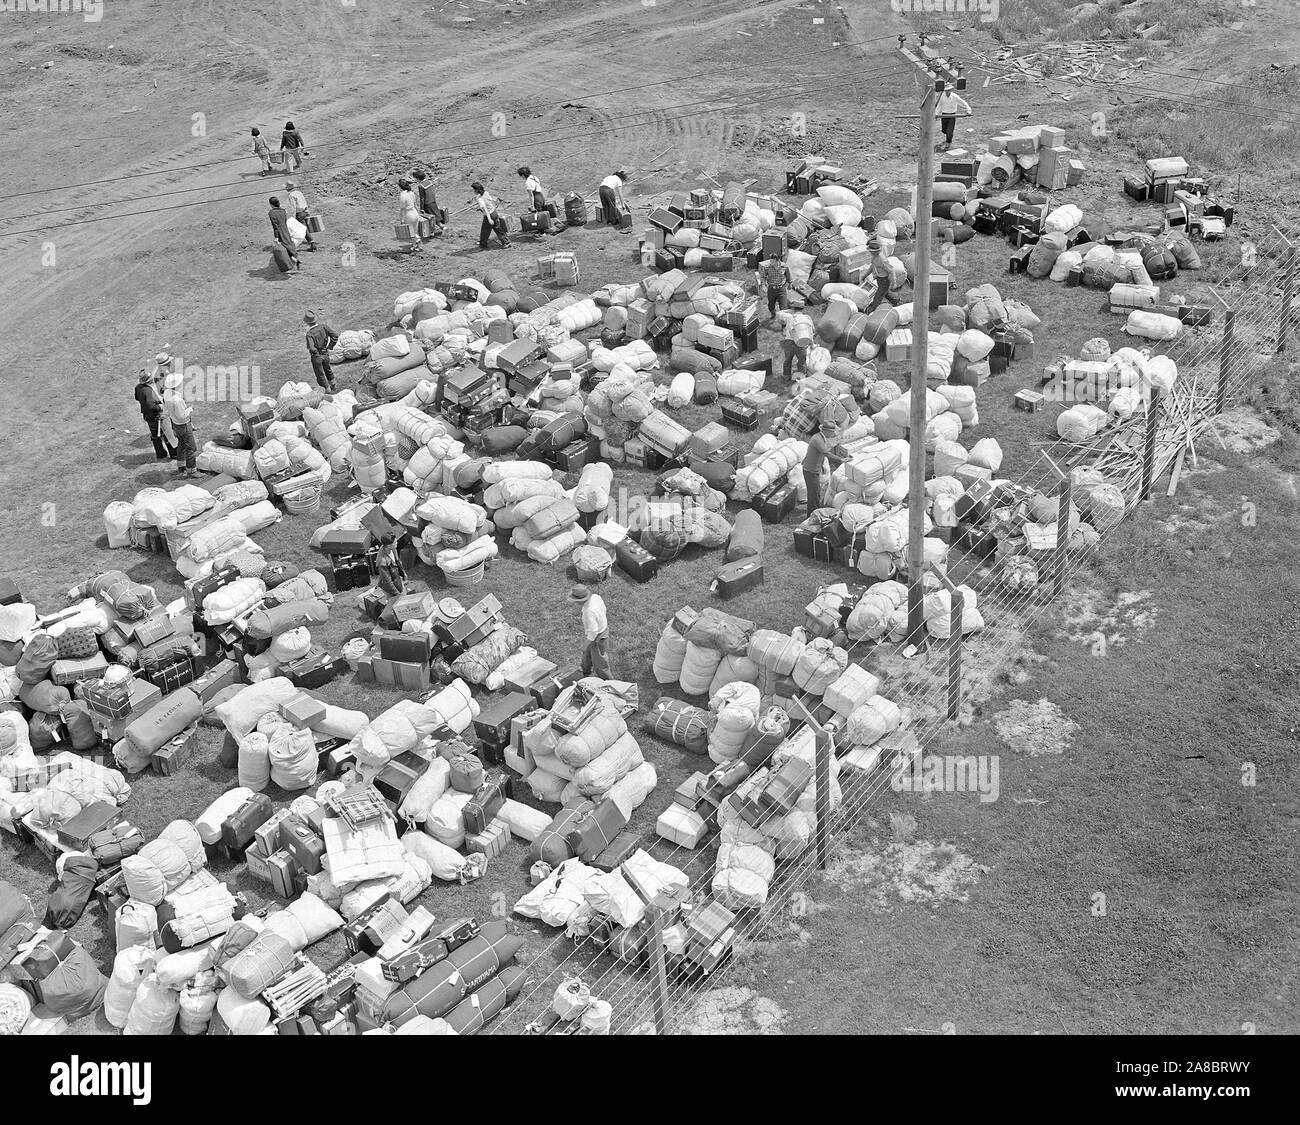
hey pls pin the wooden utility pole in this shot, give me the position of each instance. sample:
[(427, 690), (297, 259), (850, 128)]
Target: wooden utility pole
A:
[(937, 75)]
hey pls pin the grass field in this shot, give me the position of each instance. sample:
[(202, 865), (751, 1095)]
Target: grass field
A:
[(1145, 806)]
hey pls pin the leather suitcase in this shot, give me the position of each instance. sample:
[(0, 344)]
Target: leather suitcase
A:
[(486, 802), (306, 847), (551, 845), (311, 671), (95, 817), (593, 831), (635, 561), (617, 850), (535, 222), (346, 541), (737, 577), (577, 455), (416, 648), (238, 828), (776, 502), (394, 781), (196, 589), (368, 932), (493, 721), (739, 413)]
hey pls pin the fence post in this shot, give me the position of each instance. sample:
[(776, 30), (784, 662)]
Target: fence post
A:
[(954, 642), (1149, 446), (658, 962), (823, 747), (1225, 360), (1060, 560), (1288, 295)]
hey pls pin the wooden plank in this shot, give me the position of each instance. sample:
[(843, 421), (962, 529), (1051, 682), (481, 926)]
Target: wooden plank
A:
[(1178, 472)]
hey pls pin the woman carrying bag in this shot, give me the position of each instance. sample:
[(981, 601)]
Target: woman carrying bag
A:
[(410, 212), (493, 222)]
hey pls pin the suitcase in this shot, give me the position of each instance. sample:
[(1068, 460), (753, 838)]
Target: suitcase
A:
[(486, 802), (172, 755), (394, 781), (577, 455), (368, 932), (591, 832), (315, 224), (775, 502), (493, 721), (414, 648), (739, 413), (535, 222), (196, 589), (280, 258), (311, 671), (112, 845), (95, 817), (304, 844), (238, 828), (618, 850), (551, 845), (635, 561), (737, 577), (347, 541)]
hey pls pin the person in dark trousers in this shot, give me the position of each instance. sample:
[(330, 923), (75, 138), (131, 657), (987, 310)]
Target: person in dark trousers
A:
[(293, 147), (428, 202), (595, 628), (262, 151), (493, 222), (391, 574), (948, 108), (180, 414), (819, 452), (280, 229), (774, 275), (536, 193), (151, 408), (611, 197), (320, 339)]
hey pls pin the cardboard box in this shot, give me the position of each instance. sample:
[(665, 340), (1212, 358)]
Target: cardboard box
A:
[(898, 345), (302, 710), (1028, 401)]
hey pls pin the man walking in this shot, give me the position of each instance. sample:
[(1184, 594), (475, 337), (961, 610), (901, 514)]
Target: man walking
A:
[(819, 452), (774, 275), (493, 223), (795, 349), (947, 109), (179, 412), (595, 627), (280, 230), (320, 339), (298, 209)]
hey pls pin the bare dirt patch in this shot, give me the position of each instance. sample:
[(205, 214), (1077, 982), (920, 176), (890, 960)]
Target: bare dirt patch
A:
[(1035, 728), (734, 1011), (1094, 618), (920, 872), (1244, 431)]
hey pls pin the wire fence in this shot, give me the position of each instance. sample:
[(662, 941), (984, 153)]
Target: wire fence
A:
[(1217, 364)]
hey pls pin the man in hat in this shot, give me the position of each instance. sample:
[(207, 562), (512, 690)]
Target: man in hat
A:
[(774, 276), (819, 452), (179, 413), (320, 339), (879, 273), (428, 202), (280, 229), (151, 408), (298, 209), (595, 627)]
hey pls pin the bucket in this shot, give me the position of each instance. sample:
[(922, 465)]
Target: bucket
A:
[(469, 577), (303, 501)]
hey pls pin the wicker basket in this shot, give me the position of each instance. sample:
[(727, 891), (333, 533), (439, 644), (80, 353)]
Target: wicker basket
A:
[(469, 577), (303, 501)]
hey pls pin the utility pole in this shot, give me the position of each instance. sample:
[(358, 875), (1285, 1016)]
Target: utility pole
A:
[(937, 75)]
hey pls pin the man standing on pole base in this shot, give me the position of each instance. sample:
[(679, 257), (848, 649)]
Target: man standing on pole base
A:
[(320, 339), (595, 627)]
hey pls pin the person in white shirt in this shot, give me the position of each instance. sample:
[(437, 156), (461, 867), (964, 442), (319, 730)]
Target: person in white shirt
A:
[(611, 196), (536, 193), (298, 209), (179, 412), (949, 107), (492, 223), (595, 627)]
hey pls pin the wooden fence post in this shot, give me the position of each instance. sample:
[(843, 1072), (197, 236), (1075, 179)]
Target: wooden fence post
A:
[(1225, 360), (954, 643), (823, 748), (1149, 446), (1288, 295), (1061, 553), (658, 961)]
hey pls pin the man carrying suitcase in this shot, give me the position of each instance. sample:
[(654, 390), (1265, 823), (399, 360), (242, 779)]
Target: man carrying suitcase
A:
[(819, 452), (493, 221), (320, 339), (595, 627)]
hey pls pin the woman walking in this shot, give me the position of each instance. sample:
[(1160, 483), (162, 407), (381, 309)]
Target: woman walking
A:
[(262, 151), (293, 147), (492, 223), (151, 409)]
